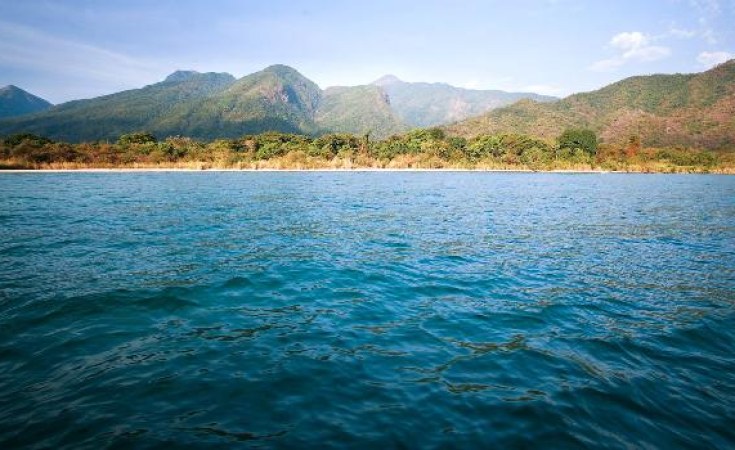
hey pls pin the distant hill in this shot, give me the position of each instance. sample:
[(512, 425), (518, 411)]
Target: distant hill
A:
[(14, 101), (109, 116), (431, 104), (681, 109), (358, 109)]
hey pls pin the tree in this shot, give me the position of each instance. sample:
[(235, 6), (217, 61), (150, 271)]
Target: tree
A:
[(365, 145), (484, 146), (578, 138), (17, 139), (331, 145), (137, 138)]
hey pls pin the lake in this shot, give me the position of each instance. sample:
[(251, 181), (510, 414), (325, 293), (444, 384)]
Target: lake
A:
[(366, 310)]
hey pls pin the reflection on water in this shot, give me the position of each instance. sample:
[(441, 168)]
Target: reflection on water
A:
[(366, 309)]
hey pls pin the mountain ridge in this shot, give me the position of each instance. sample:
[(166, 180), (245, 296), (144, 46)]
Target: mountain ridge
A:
[(15, 101), (217, 105), (662, 109), (109, 116), (694, 109), (423, 104)]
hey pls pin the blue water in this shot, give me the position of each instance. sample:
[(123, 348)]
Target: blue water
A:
[(366, 310)]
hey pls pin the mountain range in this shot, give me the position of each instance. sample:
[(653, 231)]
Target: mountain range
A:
[(661, 110), (278, 98), (432, 104)]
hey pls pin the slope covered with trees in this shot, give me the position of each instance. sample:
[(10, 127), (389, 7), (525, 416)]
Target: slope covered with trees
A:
[(109, 116), (689, 110), (216, 105), (14, 101), (657, 110), (277, 98)]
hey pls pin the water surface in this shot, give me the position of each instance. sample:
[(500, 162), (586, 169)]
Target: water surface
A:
[(370, 310)]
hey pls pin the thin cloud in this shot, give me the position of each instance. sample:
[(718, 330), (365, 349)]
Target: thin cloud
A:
[(706, 6), (30, 48), (682, 33), (711, 59), (707, 32), (707, 10), (633, 46)]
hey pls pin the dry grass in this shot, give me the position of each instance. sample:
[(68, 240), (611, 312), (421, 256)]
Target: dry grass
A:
[(301, 161)]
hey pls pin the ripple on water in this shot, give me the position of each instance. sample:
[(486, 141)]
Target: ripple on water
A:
[(366, 310)]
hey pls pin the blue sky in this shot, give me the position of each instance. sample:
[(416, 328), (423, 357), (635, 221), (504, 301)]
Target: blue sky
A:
[(64, 50)]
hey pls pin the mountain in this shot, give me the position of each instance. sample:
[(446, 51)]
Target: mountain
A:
[(360, 110), (680, 109), (277, 98), (216, 105), (14, 101), (431, 104), (109, 116)]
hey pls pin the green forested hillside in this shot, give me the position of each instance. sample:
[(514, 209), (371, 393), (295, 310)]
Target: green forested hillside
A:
[(110, 116), (210, 106), (360, 110), (14, 101), (692, 110), (660, 110), (430, 104), (277, 98)]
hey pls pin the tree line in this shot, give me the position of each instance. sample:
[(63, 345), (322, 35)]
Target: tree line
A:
[(420, 148)]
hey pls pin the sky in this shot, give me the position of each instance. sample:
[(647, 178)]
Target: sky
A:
[(72, 49)]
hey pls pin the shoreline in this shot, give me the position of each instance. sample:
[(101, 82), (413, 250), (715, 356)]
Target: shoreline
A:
[(368, 169), (174, 169)]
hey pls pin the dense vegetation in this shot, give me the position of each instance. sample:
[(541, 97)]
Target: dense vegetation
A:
[(694, 110), (574, 149)]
